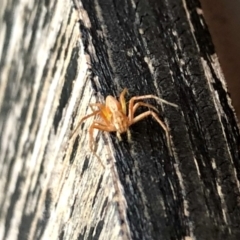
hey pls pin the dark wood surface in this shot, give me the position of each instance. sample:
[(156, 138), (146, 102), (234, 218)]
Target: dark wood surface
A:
[(56, 58)]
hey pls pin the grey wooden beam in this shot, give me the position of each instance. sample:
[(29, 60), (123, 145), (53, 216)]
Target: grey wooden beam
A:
[(56, 59)]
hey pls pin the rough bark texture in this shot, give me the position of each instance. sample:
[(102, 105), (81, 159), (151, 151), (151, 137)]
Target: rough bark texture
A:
[(59, 56)]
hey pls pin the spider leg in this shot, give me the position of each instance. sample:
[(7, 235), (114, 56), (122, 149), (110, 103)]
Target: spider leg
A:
[(119, 136), (131, 103), (131, 114), (80, 122), (123, 101), (102, 127), (129, 136), (136, 106), (154, 97), (161, 123)]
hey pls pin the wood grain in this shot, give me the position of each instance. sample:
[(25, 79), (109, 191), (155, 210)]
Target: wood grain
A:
[(56, 58)]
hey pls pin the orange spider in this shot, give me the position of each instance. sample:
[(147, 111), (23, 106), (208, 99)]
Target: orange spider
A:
[(113, 116)]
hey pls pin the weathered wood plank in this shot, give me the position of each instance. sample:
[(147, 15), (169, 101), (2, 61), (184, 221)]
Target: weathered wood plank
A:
[(55, 60)]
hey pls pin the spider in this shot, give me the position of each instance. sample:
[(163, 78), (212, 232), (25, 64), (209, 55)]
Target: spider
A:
[(113, 117)]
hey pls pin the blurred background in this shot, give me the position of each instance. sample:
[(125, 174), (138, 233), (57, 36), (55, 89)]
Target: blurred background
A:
[(223, 19)]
